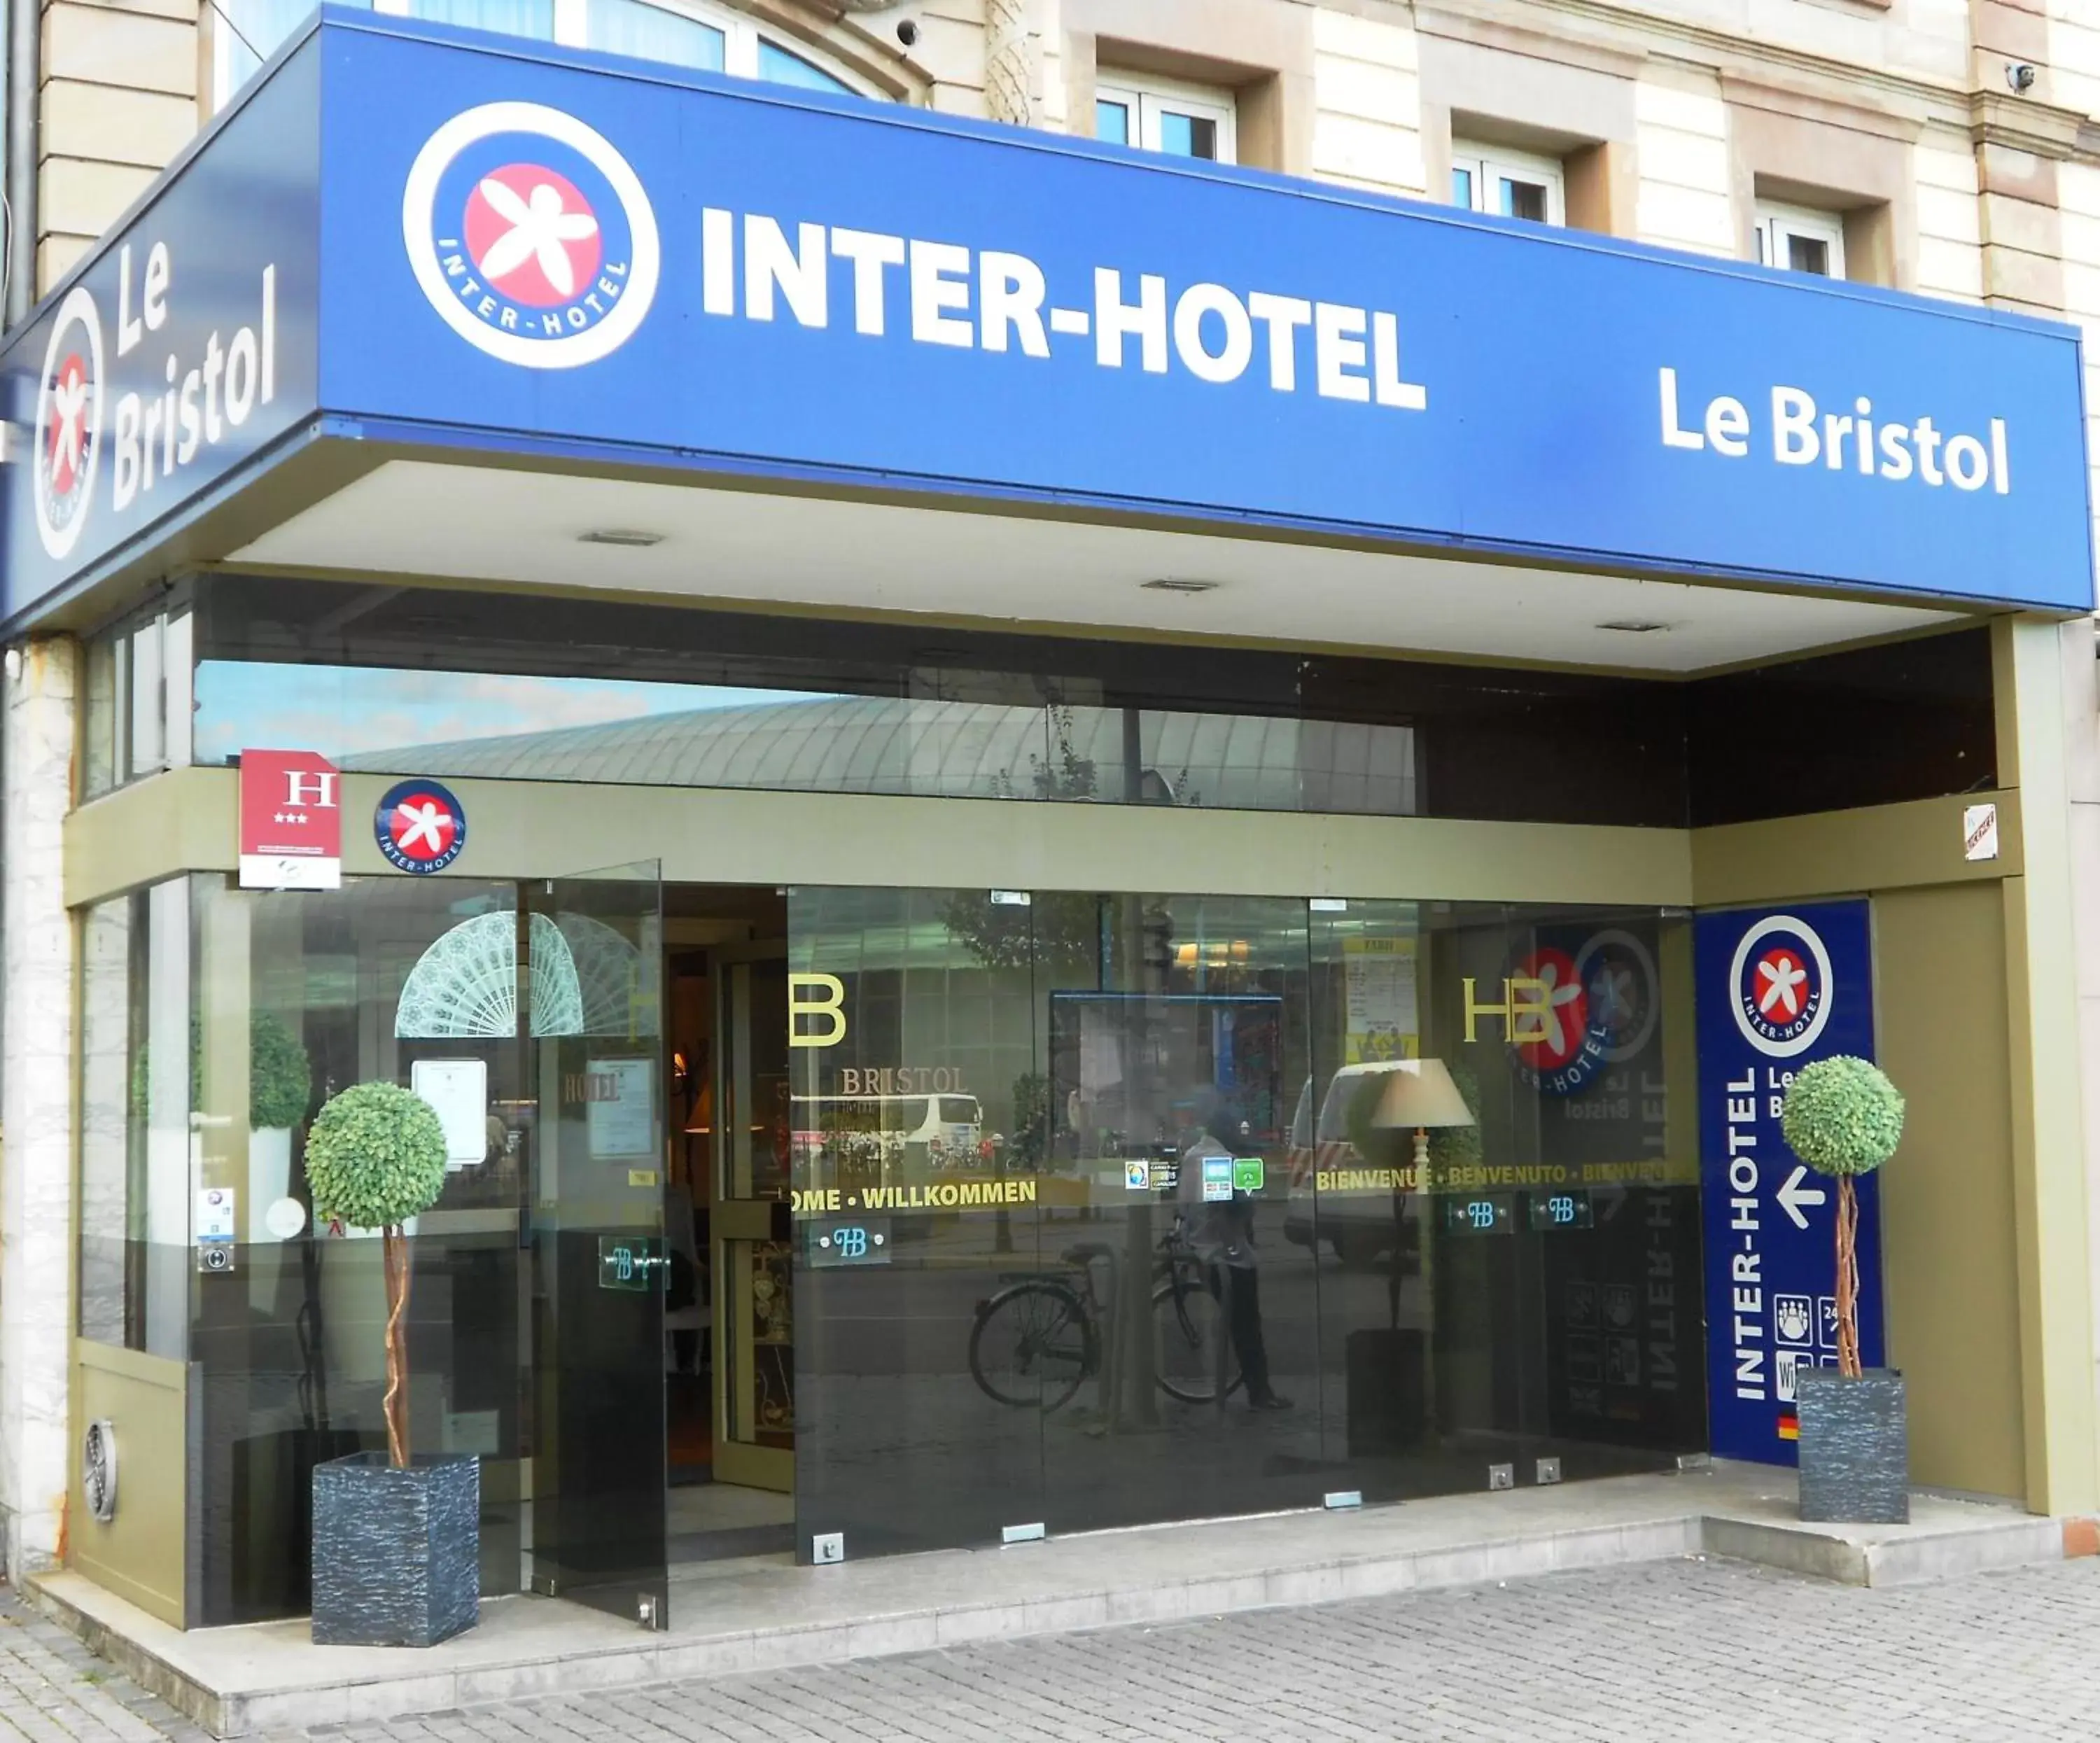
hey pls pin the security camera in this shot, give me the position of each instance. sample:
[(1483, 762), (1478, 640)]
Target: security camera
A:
[(2020, 75), (907, 33)]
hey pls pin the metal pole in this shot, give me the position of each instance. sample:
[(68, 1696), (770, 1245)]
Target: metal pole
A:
[(25, 18)]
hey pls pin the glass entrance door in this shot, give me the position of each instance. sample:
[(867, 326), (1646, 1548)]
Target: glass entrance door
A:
[(593, 1038), (751, 1231)]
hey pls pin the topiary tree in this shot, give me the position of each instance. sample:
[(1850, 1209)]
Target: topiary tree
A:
[(375, 1157), (281, 1077), (1843, 1117)]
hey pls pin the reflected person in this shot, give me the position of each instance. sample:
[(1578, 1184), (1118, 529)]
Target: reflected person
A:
[(1222, 1232)]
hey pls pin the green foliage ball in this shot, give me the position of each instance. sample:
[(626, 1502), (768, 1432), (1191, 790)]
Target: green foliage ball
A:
[(1453, 1147), (1450, 1147), (375, 1156), (1843, 1115), (280, 1078)]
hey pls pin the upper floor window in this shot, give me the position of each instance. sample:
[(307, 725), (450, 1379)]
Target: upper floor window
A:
[(679, 33), (136, 710), (1509, 184), (1183, 120), (1801, 239)]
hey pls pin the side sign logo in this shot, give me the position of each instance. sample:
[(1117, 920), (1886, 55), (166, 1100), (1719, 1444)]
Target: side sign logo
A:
[(419, 827), (531, 235), (1778, 986), (1617, 974), (69, 429)]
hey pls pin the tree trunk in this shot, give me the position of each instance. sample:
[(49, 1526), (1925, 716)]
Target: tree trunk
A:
[(394, 1252), (1848, 1278)]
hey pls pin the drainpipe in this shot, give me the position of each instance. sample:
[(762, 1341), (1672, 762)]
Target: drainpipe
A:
[(24, 20)]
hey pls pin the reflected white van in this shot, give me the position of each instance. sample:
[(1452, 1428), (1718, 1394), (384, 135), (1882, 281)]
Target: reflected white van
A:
[(1360, 1226)]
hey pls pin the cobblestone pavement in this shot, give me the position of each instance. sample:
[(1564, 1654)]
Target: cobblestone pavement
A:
[(53, 1690), (1681, 1651)]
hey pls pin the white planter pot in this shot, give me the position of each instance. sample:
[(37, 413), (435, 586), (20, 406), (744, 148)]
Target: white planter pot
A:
[(269, 1178)]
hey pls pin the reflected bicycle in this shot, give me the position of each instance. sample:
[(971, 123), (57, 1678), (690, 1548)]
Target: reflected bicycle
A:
[(1035, 1343)]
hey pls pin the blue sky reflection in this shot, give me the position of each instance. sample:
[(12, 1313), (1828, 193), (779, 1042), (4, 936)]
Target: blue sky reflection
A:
[(346, 711)]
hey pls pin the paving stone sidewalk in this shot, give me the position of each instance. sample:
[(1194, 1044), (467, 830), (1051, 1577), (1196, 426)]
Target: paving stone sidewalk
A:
[(53, 1690), (1679, 1651)]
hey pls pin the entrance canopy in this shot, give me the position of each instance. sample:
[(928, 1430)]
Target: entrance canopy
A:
[(424, 304)]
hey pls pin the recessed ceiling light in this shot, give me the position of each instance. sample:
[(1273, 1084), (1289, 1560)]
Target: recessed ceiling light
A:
[(1175, 584), (1633, 626), (617, 535)]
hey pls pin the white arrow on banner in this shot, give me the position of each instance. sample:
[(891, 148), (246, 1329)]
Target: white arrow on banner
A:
[(1793, 1195)]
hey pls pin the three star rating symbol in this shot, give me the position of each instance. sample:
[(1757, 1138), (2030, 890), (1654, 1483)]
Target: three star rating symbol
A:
[(291, 822)]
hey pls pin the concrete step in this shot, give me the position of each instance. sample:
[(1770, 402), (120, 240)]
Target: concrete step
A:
[(728, 1618)]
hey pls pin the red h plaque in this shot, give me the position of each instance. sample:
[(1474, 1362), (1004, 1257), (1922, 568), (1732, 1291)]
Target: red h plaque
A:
[(291, 821)]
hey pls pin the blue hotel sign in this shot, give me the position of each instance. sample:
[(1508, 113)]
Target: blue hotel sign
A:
[(1776, 989), (438, 239)]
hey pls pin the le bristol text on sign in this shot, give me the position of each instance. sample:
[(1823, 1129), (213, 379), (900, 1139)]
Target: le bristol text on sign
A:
[(156, 436), (1857, 439)]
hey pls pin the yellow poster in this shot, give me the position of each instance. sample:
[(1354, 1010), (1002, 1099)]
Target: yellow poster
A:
[(1378, 977)]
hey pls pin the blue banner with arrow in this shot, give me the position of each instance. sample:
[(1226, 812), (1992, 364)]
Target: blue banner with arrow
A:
[(1776, 989)]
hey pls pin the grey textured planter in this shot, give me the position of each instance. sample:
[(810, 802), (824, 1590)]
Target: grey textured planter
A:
[(1854, 1447), (397, 1554)]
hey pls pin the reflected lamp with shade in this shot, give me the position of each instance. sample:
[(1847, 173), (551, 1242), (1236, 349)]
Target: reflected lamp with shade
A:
[(1419, 1094)]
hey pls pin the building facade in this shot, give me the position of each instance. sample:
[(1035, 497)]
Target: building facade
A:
[(1103, 756)]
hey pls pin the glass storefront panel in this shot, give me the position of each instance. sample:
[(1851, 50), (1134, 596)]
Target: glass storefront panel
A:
[(753, 1216), (1254, 1280), (1031, 1087), (456, 682), (1534, 1297), (593, 1043), (947, 744), (294, 997), (1069, 1209), (135, 1088), (417, 682), (921, 1176), (1174, 1030)]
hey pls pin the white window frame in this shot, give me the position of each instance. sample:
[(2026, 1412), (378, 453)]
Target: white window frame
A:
[(741, 36), (1149, 100), (1775, 224), (1485, 163), (223, 42)]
